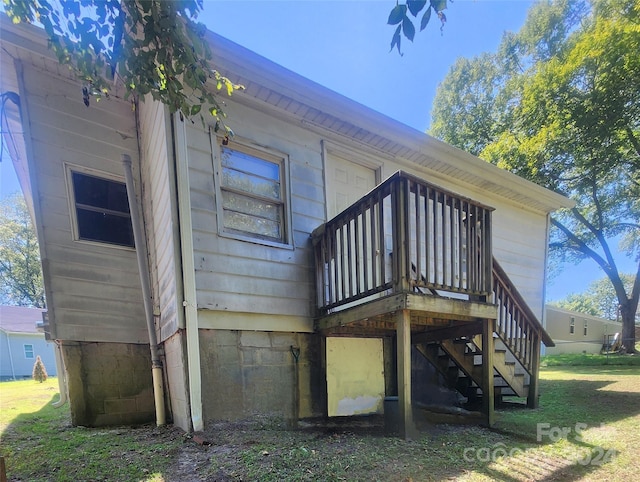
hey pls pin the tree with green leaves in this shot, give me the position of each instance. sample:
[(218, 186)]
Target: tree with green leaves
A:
[(151, 47), (599, 299), (20, 268), (559, 104)]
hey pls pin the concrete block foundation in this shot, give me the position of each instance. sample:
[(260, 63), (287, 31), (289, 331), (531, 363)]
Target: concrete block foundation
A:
[(109, 383), (256, 373)]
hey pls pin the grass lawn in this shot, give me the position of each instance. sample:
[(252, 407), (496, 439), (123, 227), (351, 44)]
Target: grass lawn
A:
[(587, 428)]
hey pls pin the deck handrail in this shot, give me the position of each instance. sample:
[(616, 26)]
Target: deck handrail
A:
[(405, 234), (517, 326)]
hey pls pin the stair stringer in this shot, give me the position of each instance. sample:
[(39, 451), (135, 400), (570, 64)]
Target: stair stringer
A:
[(509, 370)]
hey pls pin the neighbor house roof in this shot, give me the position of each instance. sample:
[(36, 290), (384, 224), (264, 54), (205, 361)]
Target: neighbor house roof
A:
[(20, 319), (578, 314)]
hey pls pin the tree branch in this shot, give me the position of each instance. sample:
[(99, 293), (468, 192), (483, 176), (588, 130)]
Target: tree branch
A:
[(633, 139)]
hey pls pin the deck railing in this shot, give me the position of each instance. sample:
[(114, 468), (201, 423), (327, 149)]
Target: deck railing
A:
[(517, 325), (404, 235)]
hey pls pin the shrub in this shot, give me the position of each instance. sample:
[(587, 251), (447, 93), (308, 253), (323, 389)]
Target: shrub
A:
[(39, 371)]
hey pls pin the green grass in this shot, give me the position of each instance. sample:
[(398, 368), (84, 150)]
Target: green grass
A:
[(589, 359), (598, 406), (39, 443)]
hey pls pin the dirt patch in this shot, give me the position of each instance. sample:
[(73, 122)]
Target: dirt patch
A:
[(268, 449)]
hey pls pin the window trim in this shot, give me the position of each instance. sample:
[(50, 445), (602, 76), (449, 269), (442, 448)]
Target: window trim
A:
[(266, 154), (71, 197), (33, 351)]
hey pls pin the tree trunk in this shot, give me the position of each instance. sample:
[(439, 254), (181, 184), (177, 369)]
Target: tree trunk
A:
[(628, 314)]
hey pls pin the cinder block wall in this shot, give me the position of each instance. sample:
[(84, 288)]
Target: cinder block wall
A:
[(247, 373), (109, 383)]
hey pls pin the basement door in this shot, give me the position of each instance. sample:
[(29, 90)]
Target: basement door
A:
[(355, 376)]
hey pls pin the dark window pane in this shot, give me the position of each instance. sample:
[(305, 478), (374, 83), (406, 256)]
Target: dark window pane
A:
[(103, 227), (102, 193), (102, 210)]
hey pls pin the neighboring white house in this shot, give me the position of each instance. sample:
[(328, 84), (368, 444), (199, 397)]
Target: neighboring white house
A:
[(21, 341), (575, 332), (250, 298)]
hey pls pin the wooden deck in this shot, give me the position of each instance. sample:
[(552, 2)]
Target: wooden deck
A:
[(377, 317), (414, 262)]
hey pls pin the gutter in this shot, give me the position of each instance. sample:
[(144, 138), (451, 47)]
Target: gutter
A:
[(13, 372), (62, 377), (143, 268)]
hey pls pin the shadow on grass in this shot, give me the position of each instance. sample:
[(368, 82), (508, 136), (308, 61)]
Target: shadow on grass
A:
[(567, 409), (43, 446)]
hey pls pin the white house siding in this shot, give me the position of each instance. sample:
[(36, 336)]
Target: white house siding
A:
[(14, 363), (95, 289), (159, 201), (236, 278)]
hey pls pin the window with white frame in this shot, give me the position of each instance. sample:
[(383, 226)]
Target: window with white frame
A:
[(28, 351), (572, 325), (100, 208), (586, 327), (253, 192)]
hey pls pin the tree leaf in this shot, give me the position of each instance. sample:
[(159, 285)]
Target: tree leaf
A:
[(398, 13), (415, 6), (425, 19), (438, 5), (395, 40), (408, 29)]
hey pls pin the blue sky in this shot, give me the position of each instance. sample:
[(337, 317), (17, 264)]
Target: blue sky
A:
[(345, 46)]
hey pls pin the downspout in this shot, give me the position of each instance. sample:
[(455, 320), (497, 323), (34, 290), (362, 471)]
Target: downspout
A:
[(143, 268), (62, 377), (13, 371), (543, 347)]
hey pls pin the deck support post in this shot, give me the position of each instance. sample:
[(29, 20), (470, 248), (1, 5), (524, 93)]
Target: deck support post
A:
[(487, 372), (532, 396), (403, 330)]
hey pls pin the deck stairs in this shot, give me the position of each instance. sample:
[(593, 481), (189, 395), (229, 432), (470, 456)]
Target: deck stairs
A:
[(459, 361), (516, 344)]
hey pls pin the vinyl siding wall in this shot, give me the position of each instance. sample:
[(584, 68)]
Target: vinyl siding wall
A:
[(94, 289), (160, 213), (240, 279), (246, 285)]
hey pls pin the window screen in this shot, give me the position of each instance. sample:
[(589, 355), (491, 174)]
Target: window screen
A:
[(102, 210)]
